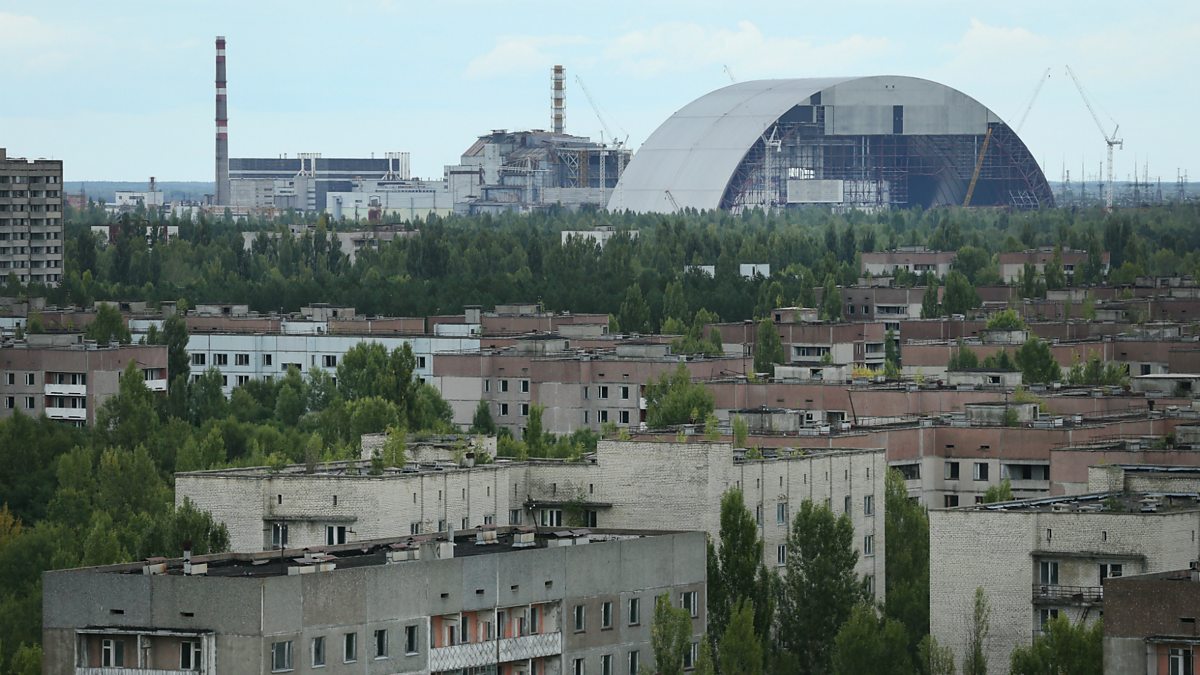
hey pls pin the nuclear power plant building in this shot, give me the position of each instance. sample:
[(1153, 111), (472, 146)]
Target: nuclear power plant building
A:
[(857, 142)]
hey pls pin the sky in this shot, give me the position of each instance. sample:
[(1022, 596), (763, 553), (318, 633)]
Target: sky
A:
[(123, 90)]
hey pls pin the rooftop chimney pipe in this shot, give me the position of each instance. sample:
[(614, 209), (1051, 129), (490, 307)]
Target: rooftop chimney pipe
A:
[(558, 110)]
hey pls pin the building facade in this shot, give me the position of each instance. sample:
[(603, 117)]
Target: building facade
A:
[(68, 380), (31, 219), (505, 600), (639, 485), (1150, 623)]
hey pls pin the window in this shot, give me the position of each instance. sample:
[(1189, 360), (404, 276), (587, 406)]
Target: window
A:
[(10, 378), (634, 662), (1045, 616), (603, 416), (281, 656), (335, 534), (489, 519), (635, 611), (329, 361), (1048, 572), (350, 647), (504, 410), (190, 655), (318, 651), (951, 470), (781, 555), (221, 359), (1109, 570), (30, 379), (381, 643), (604, 391), (514, 516), (279, 535), (414, 527), (241, 359), (112, 653), (503, 385), (687, 600), (606, 664), (267, 359), (524, 410), (869, 545), (606, 616), (869, 582), (846, 504), (624, 416), (950, 501), (410, 639), (781, 513), (1180, 661), (578, 667), (29, 403), (981, 471), (524, 386), (580, 618), (869, 505), (242, 380), (689, 657)]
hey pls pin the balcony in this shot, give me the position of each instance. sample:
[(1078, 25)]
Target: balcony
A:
[(156, 385), (479, 654), (74, 414), (1054, 594), (65, 389), (134, 671)]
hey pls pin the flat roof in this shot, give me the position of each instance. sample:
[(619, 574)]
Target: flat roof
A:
[(1136, 503)]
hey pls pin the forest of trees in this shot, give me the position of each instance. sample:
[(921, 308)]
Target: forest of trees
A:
[(640, 281)]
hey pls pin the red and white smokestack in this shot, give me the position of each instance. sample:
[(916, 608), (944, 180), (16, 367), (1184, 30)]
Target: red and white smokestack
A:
[(222, 196), (558, 109)]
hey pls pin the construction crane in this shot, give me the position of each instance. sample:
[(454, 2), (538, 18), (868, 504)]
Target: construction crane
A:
[(1110, 139), (1036, 90), (728, 72), (617, 142), (987, 138)]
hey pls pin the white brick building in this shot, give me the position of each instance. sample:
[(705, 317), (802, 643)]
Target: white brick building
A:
[(668, 486), (1037, 559)]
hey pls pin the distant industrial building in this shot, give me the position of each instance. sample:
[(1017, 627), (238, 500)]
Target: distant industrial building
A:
[(302, 182), (31, 220), (857, 142), (497, 600)]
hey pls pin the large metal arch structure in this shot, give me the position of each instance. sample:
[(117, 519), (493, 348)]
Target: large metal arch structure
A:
[(880, 141)]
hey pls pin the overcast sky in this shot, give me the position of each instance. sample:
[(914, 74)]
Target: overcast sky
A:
[(124, 90)]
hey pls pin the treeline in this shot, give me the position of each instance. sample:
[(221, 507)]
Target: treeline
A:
[(441, 264)]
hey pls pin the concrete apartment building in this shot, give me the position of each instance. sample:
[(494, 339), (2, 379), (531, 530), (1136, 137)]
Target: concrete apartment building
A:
[(1150, 623), (31, 219), (68, 379), (813, 345), (627, 484), (1037, 559), (915, 259), (508, 601), (1012, 265)]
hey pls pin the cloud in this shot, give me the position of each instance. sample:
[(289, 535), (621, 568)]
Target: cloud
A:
[(685, 46), (35, 45), (520, 54)]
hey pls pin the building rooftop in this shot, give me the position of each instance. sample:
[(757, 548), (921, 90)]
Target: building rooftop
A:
[(1101, 502), (482, 540)]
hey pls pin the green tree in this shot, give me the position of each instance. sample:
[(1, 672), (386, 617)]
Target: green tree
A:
[(819, 589), (670, 636), (674, 399), (367, 369), (736, 571), (704, 661), (535, 436), (741, 650), (27, 660), (394, 452), (1037, 363), (769, 348), (999, 493), (962, 358), (634, 315), (1055, 277), (960, 296), (675, 303), (975, 661), (174, 335), (482, 422), (130, 416), (831, 300), (1063, 647), (930, 307), (906, 542), (108, 326), (869, 643), (1006, 319), (891, 356), (206, 397), (934, 659), (741, 431)]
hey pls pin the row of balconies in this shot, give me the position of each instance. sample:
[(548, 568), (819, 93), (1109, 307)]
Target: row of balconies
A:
[(481, 654)]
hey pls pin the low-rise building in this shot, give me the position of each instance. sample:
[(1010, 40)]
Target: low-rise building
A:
[(500, 600), (67, 378), (1150, 623), (915, 259), (1043, 558), (639, 485), (1012, 265)]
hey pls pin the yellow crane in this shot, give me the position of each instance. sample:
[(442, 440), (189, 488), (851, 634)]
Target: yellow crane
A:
[(987, 138)]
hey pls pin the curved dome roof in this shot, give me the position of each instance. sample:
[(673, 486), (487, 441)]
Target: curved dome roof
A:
[(689, 160)]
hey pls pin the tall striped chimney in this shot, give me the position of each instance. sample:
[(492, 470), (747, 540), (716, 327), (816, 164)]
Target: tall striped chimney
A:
[(558, 112), (222, 198)]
